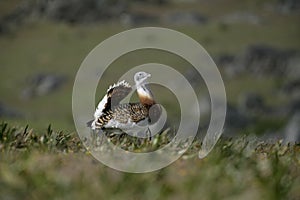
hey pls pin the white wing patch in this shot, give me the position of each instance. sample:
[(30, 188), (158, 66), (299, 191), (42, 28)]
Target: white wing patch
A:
[(100, 107), (121, 83), (104, 102)]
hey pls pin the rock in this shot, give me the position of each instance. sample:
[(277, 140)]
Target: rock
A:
[(265, 60), (262, 60), (156, 2), (42, 84), (241, 17), (137, 19), (193, 77), (224, 60), (292, 88), (294, 106), (293, 67), (235, 121), (77, 11), (15, 18), (288, 6), (72, 11), (292, 130), (8, 112), (184, 18), (251, 104), (227, 63), (205, 106)]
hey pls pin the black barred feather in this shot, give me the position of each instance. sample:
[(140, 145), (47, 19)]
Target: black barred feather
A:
[(110, 113), (115, 94), (122, 113)]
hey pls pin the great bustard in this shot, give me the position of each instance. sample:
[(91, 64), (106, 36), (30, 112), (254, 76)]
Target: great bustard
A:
[(128, 117)]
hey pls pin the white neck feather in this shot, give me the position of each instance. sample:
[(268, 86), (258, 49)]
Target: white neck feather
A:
[(144, 91)]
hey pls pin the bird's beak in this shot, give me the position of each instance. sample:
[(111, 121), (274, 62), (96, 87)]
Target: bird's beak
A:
[(148, 75)]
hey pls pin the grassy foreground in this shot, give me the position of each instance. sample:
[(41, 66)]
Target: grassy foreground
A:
[(55, 165)]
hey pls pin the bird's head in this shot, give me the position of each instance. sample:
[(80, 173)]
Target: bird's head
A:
[(140, 77)]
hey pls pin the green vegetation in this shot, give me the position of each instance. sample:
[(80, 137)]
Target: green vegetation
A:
[(55, 165)]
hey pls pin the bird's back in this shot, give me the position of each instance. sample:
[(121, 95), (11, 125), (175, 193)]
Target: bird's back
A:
[(122, 115)]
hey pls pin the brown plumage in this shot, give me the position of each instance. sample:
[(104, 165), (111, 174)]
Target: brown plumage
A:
[(115, 95), (111, 114), (123, 113), (146, 100)]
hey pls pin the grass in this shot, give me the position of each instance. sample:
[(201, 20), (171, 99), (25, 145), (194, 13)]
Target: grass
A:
[(54, 165)]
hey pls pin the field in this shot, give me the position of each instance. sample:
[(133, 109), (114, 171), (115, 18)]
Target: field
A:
[(54, 165), (41, 156)]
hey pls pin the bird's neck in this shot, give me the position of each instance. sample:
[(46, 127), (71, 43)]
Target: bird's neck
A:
[(145, 95)]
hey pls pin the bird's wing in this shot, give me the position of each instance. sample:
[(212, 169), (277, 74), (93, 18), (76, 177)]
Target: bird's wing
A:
[(121, 114), (115, 94), (118, 92)]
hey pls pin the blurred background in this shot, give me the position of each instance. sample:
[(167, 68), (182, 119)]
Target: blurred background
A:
[(255, 44)]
